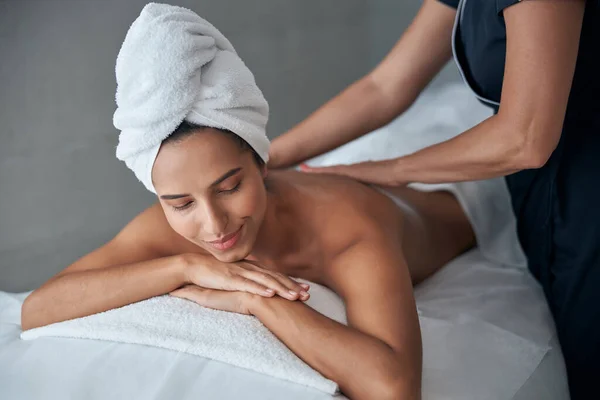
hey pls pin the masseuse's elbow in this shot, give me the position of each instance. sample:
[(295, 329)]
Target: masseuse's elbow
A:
[(532, 158), (528, 143), (531, 149)]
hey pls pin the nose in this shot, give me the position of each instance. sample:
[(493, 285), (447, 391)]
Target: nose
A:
[(213, 221)]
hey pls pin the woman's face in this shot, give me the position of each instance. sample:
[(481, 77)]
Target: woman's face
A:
[(212, 193)]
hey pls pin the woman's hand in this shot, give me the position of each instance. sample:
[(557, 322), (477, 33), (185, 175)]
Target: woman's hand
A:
[(243, 276), (382, 173), (237, 302)]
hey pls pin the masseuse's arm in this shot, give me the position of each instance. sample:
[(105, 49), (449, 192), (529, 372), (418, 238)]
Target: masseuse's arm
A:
[(378, 356), (542, 43), (380, 96)]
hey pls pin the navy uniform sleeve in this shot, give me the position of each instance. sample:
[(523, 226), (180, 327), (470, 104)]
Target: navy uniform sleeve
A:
[(451, 3), (502, 4)]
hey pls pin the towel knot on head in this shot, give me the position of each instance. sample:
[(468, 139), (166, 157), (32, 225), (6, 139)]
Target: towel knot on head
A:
[(175, 66)]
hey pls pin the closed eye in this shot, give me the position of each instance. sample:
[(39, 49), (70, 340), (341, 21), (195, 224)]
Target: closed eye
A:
[(232, 190), (183, 207), (187, 205)]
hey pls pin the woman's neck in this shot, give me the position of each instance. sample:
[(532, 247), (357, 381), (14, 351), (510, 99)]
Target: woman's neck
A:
[(278, 232)]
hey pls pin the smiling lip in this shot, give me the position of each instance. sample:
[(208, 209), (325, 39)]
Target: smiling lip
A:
[(228, 241)]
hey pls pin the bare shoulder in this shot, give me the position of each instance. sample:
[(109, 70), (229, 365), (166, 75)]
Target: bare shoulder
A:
[(148, 236), (151, 229), (343, 212), (351, 206)]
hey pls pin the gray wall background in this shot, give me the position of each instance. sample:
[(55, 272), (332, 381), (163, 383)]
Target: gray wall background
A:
[(62, 191)]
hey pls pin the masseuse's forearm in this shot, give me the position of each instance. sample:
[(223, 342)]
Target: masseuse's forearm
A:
[(380, 96), (495, 147), (359, 109), (363, 366), (82, 293)]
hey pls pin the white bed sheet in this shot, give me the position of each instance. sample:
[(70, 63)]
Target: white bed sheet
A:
[(473, 300), (469, 288)]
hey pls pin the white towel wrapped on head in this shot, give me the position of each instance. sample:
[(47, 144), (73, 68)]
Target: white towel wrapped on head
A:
[(175, 66)]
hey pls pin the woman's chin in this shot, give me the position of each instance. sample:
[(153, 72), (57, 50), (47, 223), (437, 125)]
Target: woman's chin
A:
[(235, 254)]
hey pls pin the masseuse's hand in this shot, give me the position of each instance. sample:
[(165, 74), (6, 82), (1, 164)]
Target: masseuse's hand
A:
[(382, 173), (237, 302), (275, 161), (245, 276), (281, 158)]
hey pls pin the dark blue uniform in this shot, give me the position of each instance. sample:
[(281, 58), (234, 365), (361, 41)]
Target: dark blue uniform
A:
[(557, 206)]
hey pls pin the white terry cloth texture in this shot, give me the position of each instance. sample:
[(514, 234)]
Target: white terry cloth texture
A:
[(485, 330), (436, 117), (182, 325), (175, 66)]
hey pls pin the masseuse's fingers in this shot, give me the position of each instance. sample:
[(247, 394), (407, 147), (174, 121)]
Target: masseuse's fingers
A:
[(376, 172)]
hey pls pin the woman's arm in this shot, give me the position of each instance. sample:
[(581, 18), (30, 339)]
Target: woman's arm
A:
[(378, 356), (542, 44), (125, 270), (380, 96), (136, 265), (82, 293)]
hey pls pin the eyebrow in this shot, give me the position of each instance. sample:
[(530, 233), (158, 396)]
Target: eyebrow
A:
[(228, 174)]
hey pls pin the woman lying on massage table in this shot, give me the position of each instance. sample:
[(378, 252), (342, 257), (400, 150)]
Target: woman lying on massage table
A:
[(224, 236), (227, 234)]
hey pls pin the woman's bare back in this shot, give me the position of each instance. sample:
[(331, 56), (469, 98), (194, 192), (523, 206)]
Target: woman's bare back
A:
[(328, 214)]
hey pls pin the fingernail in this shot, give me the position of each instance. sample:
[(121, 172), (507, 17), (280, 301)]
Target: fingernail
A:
[(303, 294), (270, 291), (293, 293), (305, 286)]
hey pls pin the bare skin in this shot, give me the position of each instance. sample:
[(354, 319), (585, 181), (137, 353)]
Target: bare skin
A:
[(330, 230), (326, 229), (355, 240), (378, 97), (317, 213), (542, 42)]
